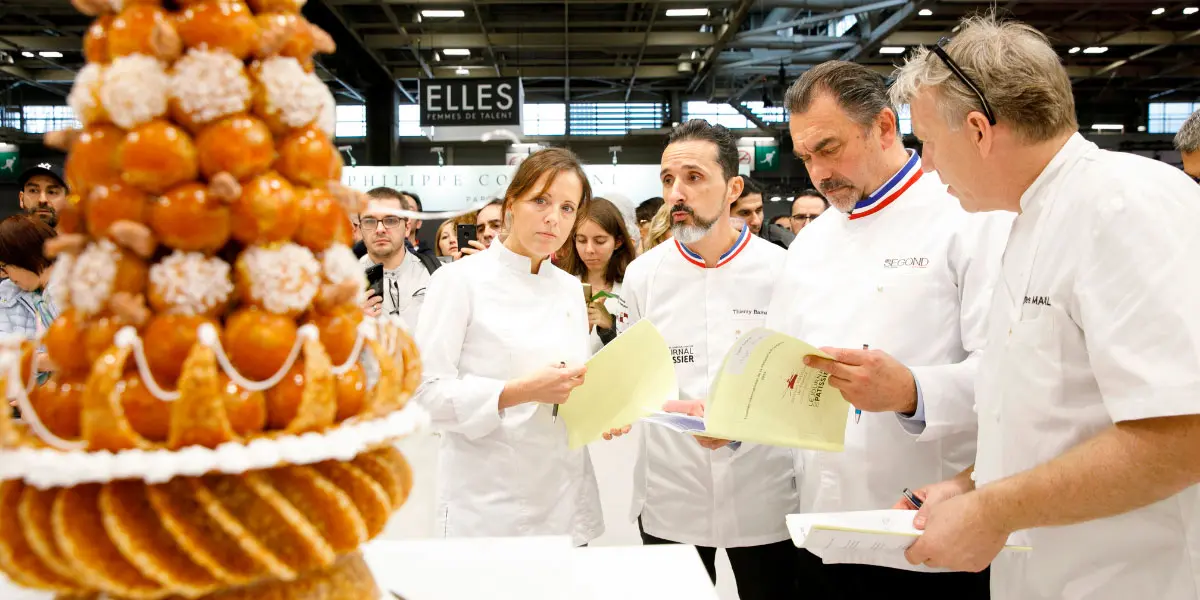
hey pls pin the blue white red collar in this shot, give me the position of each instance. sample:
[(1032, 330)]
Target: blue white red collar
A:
[(894, 188), (691, 256)]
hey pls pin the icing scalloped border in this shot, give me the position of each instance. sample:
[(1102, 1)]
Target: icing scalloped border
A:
[(46, 468)]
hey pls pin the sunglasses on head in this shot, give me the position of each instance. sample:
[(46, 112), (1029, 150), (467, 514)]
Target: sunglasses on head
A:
[(950, 64)]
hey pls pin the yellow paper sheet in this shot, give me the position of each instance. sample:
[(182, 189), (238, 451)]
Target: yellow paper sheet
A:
[(764, 394), (631, 377)]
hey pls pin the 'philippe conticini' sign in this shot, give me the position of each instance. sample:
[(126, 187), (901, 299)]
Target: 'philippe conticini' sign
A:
[(471, 102)]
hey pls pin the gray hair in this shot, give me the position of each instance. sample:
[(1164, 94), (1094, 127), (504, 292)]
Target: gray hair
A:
[(1014, 67), (859, 91), (1188, 137)]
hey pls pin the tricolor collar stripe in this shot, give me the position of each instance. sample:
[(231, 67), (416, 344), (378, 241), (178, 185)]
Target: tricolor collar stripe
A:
[(910, 168), (742, 241), (886, 201)]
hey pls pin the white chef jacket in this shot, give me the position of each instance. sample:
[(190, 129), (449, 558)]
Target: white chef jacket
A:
[(620, 312), (504, 473), (1095, 322), (686, 493), (403, 288), (908, 272)]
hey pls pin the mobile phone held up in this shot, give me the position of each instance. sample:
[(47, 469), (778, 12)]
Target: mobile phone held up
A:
[(466, 233), (375, 279)]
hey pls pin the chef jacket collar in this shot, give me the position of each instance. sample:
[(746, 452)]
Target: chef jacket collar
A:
[(516, 262), (894, 188), (693, 257), (1076, 145)]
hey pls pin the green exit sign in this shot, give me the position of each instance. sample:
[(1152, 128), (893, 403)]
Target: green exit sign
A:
[(10, 162)]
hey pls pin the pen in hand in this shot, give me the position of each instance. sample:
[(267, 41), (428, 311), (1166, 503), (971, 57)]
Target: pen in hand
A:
[(858, 411), (554, 411), (912, 498)]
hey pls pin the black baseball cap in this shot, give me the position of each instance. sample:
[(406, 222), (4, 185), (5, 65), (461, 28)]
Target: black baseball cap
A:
[(45, 167)]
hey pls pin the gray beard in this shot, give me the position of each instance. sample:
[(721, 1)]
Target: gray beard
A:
[(690, 234)]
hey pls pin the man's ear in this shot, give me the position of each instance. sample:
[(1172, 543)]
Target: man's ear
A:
[(983, 134), (737, 184)]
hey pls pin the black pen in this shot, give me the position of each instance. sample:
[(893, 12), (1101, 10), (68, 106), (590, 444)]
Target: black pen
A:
[(912, 499), (554, 412)]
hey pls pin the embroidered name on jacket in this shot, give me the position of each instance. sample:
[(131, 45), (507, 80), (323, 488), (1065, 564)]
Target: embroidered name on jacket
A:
[(899, 263), (754, 312), (1037, 300), (682, 354)]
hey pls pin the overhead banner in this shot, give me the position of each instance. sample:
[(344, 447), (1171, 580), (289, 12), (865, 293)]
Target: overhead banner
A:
[(457, 187), (471, 102)]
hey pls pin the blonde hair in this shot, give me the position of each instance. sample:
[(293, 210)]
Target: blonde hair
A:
[(660, 228), (1015, 69), (437, 238)]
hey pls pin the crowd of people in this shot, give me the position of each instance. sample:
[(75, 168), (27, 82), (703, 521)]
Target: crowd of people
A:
[(1007, 310)]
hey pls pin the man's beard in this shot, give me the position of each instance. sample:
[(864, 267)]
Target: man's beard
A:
[(47, 215), (839, 203), (694, 232)]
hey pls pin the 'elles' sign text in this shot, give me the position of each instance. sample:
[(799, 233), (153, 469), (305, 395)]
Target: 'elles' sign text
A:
[(471, 102)]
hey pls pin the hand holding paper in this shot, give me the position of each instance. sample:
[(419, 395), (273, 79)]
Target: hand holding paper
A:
[(631, 377), (871, 380)]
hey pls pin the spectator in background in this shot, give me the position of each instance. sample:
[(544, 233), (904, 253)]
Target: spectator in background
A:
[(360, 247), (749, 208), (447, 240), (489, 222), (603, 248), (413, 202), (658, 230), (807, 206), (783, 221), (645, 214), (41, 186), (1187, 141), (25, 308), (405, 274)]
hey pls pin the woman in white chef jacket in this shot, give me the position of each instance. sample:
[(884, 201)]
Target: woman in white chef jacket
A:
[(503, 337), (601, 251)]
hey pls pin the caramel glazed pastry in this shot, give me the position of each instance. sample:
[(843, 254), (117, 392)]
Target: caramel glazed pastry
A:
[(210, 299)]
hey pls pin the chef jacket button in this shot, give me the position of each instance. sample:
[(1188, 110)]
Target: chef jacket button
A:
[(879, 288)]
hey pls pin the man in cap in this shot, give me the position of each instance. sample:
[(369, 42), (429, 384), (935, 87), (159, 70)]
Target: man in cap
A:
[(41, 186)]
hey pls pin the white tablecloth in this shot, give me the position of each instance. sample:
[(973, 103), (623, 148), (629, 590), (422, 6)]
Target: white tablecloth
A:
[(521, 568)]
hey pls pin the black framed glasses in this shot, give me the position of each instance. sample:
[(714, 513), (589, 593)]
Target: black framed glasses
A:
[(950, 64), (370, 223)]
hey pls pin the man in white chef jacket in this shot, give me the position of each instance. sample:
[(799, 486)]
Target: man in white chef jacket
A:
[(702, 291), (900, 269), (1089, 390)]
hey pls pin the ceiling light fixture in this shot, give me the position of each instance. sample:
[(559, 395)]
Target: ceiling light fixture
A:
[(925, 12), (462, 71), (687, 12), (50, 54), (443, 14), (1158, 11), (1095, 50), (1073, 50), (27, 54), (891, 50), (1191, 10), (456, 52)]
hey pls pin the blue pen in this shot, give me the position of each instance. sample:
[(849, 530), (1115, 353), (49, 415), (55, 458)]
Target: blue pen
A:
[(912, 499), (858, 411)]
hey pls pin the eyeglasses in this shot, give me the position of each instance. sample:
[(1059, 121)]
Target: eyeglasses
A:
[(370, 223), (804, 217), (950, 64)]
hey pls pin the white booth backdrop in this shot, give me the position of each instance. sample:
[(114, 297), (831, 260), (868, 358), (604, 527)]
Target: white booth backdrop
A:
[(457, 187)]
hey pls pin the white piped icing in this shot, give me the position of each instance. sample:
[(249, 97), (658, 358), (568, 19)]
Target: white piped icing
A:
[(191, 283), (93, 275), (298, 97), (59, 284), (69, 466), (284, 279), (210, 84), (85, 94), (135, 90), (328, 119)]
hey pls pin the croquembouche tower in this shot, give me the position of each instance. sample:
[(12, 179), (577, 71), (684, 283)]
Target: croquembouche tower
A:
[(220, 418)]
